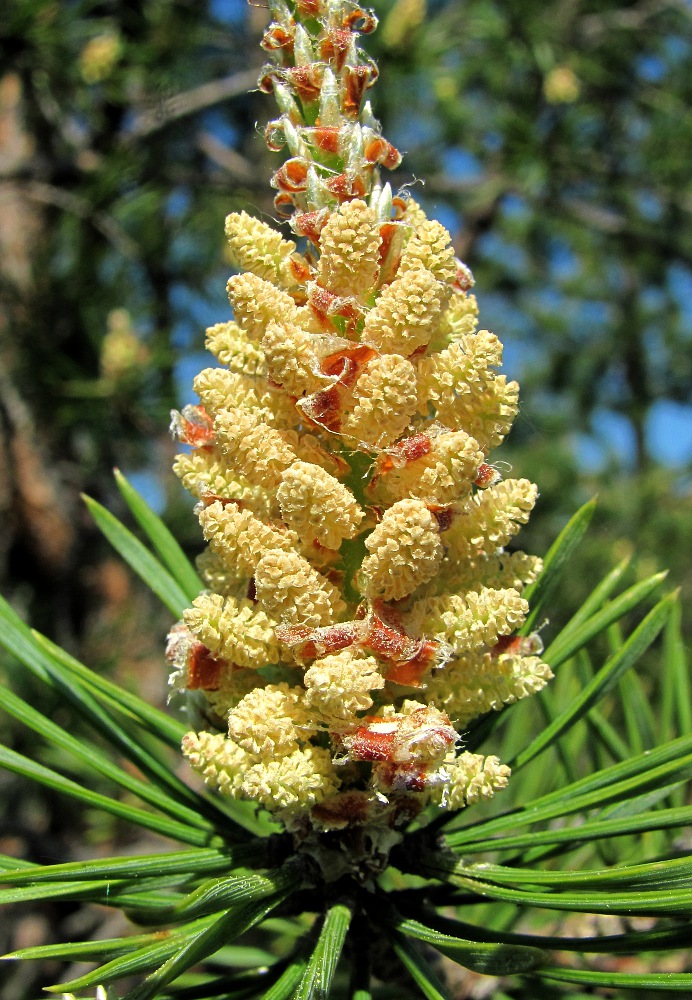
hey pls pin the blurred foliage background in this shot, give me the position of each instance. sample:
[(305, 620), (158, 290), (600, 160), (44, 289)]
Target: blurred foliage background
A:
[(554, 137)]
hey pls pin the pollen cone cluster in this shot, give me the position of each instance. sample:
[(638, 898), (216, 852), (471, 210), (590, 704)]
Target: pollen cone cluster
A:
[(362, 606)]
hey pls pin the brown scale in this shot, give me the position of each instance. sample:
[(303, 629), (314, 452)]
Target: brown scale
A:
[(207, 499), (404, 452), (364, 20), (364, 744), (300, 270), (356, 80), (464, 280), (379, 739), (345, 187), (382, 633), (311, 224), (444, 514), (376, 513), (385, 636), (390, 255), (324, 407), (194, 426), (266, 81), (419, 352), (204, 672), (518, 645), (402, 777), (325, 304), (306, 81), (284, 204), (327, 138), (410, 658), (335, 45), (273, 384), (335, 576), (277, 38), (311, 643), (400, 455), (378, 150), (309, 8), (292, 176), (348, 363), (487, 476), (399, 206), (410, 673), (274, 136)]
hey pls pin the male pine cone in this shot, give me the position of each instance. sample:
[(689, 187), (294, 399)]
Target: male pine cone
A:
[(361, 607), (352, 621)]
